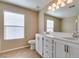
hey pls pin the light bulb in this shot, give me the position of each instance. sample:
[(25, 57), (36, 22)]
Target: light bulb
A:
[(53, 5), (63, 4), (69, 1), (57, 7), (49, 8), (59, 2)]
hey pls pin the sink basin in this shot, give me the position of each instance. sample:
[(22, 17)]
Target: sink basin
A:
[(70, 38)]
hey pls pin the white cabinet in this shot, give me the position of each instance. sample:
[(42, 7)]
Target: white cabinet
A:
[(48, 47), (39, 44), (56, 48), (59, 50), (73, 51), (64, 50)]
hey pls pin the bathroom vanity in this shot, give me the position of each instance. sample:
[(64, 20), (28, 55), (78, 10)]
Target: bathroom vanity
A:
[(57, 46)]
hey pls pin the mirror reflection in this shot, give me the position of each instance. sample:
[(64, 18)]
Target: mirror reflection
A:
[(63, 19)]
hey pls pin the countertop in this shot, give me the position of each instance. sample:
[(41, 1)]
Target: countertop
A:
[(63, 40)]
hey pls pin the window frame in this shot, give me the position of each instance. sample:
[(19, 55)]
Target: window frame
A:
[(13, 26), (49, 27)]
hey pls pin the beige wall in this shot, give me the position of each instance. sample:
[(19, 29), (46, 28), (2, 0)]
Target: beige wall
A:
[(57, 22), (41, 21), (31, 26), (68, 24)]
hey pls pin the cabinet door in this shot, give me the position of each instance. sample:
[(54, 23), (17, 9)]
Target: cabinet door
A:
[(74, 52), (60, 50), (39, 44), (48, 48)]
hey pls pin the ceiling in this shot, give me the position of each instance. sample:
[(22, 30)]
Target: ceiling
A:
[(39, 4), (66, 11), (32, 4)]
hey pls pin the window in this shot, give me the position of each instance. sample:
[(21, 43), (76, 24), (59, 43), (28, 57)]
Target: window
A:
[(50, 25), (13, 25)]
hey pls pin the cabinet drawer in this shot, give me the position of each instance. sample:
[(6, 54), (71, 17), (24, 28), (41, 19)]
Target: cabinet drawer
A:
[(49, 44), (48, 47), (48, 53), (45, 56), (49, 40)]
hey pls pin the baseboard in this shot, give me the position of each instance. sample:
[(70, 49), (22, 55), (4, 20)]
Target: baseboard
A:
[(4, 51)]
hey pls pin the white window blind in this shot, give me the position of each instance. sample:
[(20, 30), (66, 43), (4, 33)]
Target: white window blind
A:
[(50, 25), (13, 25)]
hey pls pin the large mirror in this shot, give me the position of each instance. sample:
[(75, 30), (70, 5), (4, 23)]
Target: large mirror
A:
[(63, 19)]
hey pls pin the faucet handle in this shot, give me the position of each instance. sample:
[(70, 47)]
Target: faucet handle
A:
[(76, 35)]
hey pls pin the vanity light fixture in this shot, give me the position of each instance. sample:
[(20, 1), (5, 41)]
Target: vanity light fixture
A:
[(57, 7), (53, 5), (69, 1), (58, 4), (63, 4)]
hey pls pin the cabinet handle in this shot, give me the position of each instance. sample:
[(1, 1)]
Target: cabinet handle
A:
[(65, 48)]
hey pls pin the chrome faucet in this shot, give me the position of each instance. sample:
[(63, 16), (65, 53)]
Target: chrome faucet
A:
[(76, 35)]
